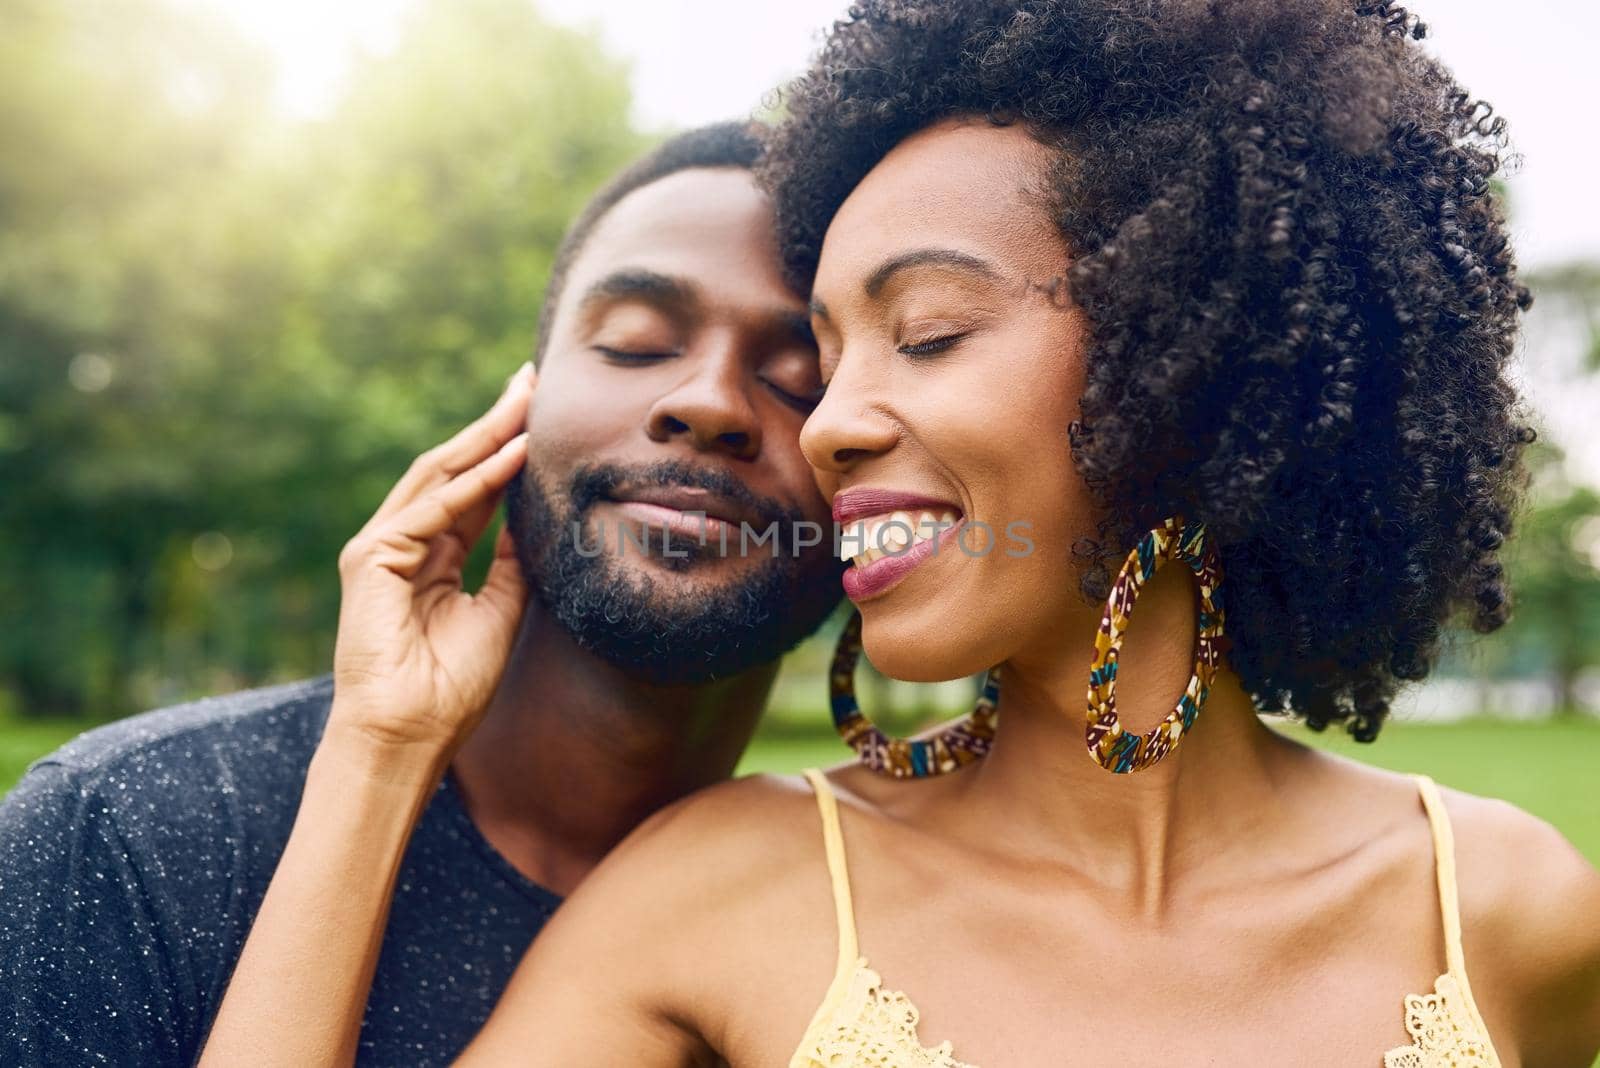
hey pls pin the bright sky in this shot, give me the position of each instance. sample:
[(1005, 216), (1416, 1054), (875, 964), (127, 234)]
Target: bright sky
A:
[(700, 60)]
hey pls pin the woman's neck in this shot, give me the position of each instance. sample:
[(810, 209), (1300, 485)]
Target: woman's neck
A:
[(1135, 834)]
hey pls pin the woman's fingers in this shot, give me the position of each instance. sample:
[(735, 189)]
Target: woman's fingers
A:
[(445, 508), (504, 419), (504, 593), (468, 447), (448, 552)]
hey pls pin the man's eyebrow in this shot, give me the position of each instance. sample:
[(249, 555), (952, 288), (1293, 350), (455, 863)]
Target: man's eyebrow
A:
[(635, 283), (928, 257)]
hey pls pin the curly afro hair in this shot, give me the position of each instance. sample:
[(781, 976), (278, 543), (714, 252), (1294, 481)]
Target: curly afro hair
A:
[(1299, 287)]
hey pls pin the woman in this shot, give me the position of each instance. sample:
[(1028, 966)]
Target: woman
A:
[(1222, 284)]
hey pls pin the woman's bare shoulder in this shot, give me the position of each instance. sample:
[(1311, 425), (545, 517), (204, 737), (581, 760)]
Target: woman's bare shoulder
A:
[(725, 820), (674, 930), (726, 847), (1529, 901)]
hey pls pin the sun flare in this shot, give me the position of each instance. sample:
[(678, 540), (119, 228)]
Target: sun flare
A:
[(312, 41)]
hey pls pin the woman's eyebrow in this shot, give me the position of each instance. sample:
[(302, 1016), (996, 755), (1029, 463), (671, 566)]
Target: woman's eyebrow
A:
[(929, 257), (951, 258)]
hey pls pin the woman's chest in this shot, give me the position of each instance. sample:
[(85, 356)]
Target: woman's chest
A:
[(1007, 985)]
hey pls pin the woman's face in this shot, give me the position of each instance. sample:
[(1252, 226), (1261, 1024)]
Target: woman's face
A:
[(954, 364)]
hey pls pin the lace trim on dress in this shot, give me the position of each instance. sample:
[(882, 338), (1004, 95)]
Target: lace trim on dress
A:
[(872, 1026), (1443, 1032)]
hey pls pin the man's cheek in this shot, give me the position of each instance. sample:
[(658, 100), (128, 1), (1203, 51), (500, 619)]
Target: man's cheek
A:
[(555, 438)]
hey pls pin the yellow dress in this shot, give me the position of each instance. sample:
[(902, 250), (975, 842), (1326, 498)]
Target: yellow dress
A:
[(862, 1023)]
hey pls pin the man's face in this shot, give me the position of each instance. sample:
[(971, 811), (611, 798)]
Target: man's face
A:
[(678, 372)]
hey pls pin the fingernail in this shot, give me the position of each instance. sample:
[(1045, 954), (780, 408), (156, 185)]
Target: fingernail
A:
[(521, 372)]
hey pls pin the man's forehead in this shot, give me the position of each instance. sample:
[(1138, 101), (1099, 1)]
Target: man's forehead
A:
[(708, 227)]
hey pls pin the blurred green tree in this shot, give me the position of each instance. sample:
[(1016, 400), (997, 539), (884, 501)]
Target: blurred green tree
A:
[(223, 334), (1555, 573), (1553, 558)]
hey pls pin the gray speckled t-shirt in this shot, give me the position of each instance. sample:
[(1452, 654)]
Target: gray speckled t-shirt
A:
[(134, 858)]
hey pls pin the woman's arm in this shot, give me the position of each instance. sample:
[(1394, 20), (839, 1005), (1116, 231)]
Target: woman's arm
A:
[(1555, 955), (1529, 902), (415, 664), (705, 938), (300, 987), (608, 979)]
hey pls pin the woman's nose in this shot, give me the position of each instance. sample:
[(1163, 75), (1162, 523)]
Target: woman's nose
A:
[(849, 424)]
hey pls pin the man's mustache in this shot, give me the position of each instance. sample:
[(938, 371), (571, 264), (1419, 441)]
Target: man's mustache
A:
[(594, 483)]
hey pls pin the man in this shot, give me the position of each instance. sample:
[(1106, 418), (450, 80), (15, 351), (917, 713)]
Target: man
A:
[(675, 369)]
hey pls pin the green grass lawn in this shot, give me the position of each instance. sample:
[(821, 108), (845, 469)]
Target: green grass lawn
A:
[(24, 740), (1550, 768)]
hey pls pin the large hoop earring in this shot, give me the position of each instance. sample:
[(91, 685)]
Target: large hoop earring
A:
[(1109, 745), (957, 744)]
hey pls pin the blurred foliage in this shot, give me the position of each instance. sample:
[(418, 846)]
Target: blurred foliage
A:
[(1577, 286), (223, 334), (1554, 562)]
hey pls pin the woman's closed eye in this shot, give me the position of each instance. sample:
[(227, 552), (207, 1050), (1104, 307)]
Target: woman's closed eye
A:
[(932, 346)]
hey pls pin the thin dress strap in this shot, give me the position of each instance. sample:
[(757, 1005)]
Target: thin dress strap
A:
[(1444, 855), (1444, 862), (833, 840)]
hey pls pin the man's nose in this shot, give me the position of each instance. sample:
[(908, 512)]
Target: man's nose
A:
[(711, 404)]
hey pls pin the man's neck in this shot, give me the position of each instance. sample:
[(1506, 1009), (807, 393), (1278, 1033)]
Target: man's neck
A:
[(572, 753)]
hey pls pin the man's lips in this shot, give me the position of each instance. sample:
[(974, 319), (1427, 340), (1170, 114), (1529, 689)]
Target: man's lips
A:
[(863, 501), (679, 510)]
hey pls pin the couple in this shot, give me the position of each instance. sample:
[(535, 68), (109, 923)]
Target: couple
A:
[(1216, 299)]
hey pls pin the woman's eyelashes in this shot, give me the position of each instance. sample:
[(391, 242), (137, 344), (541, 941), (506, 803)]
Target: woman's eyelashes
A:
[(932, 346), (928, 345)]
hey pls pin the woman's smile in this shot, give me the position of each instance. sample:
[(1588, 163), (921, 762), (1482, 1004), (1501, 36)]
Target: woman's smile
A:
[(887, 533)]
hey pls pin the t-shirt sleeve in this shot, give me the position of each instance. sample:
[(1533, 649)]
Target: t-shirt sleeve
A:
[(83, 970)]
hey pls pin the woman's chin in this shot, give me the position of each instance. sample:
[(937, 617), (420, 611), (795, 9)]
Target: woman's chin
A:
[(927, 653)]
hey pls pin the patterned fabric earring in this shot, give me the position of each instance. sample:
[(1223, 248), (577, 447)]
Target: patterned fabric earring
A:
[(1109, 745), (956, 745)]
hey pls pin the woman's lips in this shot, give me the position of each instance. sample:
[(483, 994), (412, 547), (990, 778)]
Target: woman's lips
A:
[(865, 583), (859, 502)]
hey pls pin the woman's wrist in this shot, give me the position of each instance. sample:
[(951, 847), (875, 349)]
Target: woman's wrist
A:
[(407, 764)]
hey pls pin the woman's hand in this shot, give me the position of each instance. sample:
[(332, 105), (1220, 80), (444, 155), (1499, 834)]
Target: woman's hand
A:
[(416, 662), (417, 658)]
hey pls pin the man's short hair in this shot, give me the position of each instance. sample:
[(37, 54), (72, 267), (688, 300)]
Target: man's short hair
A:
[(723, 144)]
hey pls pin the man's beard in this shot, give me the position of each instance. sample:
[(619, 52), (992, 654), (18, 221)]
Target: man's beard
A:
[(654, 634)]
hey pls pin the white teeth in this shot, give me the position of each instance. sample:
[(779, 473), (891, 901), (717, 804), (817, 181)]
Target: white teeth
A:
[(852, 540), (895, 533), (869, 540)]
